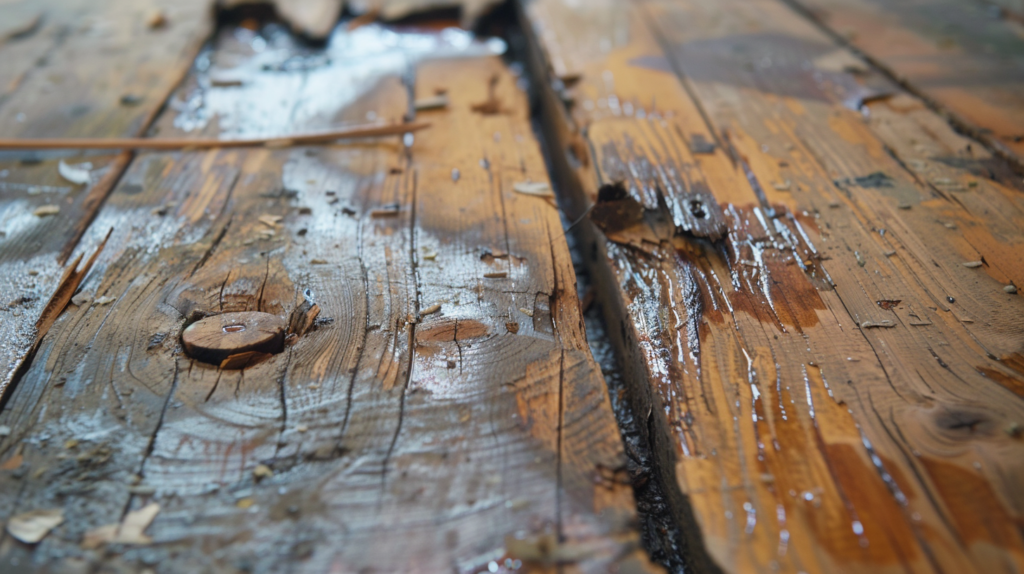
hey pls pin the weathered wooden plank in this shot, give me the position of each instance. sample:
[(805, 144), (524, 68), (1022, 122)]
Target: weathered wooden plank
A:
[(87, 69), (806, 415), (444, 412), (964, 56)]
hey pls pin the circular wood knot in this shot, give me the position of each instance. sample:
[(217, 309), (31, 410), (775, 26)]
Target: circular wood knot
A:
[(219, 337)]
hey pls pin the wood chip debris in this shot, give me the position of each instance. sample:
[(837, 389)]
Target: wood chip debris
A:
[(877, 324), (433, 103), (431, 310), (242, 360), (535, 188), (225, 82), (32, 526), (386, 211), (142, 489), (972, 264), (527, 312), (782, 186), (163, 209), (270, 220), (45, 210), (104, 300), (81, 299), (157, 20), (497, 275), (262, 471), (77, 174), (129, 531)]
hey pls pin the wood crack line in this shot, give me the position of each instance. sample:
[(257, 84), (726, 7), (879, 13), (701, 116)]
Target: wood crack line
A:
[(152, 438), (412, 335), (558, 470)]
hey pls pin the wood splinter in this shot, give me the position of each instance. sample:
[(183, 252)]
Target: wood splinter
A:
[(182, 143)]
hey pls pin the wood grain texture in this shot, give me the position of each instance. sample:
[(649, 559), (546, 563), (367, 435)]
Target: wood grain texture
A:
[(443, 412), (967, 57), (819, 380), (67, 78)]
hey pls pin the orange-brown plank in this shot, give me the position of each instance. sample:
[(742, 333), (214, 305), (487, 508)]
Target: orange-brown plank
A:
[(808, 375)]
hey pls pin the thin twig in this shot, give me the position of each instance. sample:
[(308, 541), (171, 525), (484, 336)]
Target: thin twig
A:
[(183, 143)]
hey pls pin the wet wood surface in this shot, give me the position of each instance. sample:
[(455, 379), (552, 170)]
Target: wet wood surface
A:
[(967, 57), (835, 385), (434, 407)]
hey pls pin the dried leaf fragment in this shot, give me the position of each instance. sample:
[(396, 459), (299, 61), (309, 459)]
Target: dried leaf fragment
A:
[(44, 210), (536, 188), (77, 174), (32, 526), (129, 531)]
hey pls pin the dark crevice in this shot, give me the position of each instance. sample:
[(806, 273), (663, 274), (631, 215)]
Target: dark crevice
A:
[(660, 534), (414, 276)]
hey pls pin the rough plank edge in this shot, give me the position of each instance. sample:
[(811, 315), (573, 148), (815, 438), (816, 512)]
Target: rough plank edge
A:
[(559, 131)]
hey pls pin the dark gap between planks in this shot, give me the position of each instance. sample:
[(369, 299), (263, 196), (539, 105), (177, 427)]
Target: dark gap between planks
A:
[(660, 535)]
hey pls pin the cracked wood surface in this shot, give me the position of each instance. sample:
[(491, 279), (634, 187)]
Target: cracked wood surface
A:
[(836, 385), (965, 56), (443, 412), (67, 77)]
